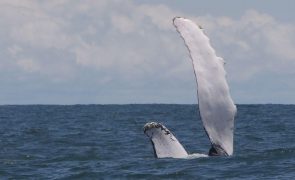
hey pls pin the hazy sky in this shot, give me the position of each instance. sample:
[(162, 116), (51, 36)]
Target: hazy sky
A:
[(127, 51)]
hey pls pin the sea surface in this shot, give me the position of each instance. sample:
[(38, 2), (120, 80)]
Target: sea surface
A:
[(107, 142)]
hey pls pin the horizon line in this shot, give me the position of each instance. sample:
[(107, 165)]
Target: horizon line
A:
[(122, 104)]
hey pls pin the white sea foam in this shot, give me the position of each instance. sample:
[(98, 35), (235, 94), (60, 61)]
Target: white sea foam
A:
[(196, 155)]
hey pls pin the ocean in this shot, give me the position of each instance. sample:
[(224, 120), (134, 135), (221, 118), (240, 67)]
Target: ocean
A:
[(107, 142)]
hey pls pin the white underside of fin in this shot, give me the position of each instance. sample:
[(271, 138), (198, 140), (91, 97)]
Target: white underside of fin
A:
[(216, 107)]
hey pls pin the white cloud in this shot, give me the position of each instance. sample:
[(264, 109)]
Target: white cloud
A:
[(160, 15), (28, 65), (123, 23), (93, 56), (278, 38), (14, 50), (44, 34), (255, 43), (134, 42)]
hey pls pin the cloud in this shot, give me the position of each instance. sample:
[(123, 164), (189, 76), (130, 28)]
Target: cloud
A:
[(277, 38), (160, 15), (123, 23), (119, 42), (28, 65), (44, 34), (252, 44)]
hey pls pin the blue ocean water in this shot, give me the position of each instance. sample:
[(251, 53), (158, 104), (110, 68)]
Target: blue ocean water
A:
[(107, 142)]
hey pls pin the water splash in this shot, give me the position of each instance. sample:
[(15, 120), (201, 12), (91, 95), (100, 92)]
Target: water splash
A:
[(196, 155)]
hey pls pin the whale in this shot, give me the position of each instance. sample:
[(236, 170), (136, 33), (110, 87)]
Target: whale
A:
[(216, 107)]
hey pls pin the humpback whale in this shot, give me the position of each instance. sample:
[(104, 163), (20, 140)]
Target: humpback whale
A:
[(216, 107)]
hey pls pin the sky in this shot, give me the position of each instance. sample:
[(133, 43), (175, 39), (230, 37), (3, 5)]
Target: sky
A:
[(127, 51)]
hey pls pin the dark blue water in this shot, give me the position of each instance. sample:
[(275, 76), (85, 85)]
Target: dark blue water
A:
[(107, 141)]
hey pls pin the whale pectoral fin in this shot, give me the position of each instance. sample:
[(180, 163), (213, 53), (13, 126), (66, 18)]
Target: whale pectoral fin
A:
[(164, 142), (217, 109)]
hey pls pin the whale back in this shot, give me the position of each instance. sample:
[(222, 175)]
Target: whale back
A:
[(216, 107)]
